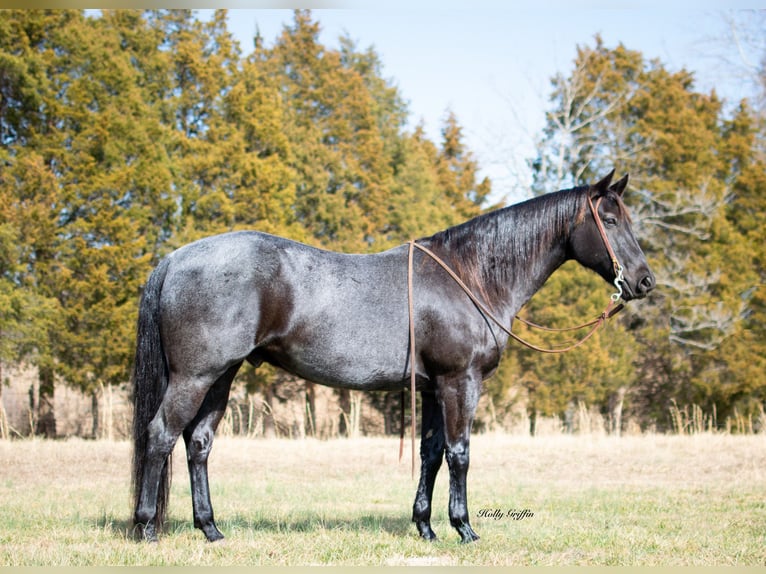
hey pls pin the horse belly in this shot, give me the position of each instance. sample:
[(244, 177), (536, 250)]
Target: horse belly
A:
[(340, 346), (343, 358)]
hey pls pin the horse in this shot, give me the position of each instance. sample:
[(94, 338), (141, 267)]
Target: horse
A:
[(342, 320)]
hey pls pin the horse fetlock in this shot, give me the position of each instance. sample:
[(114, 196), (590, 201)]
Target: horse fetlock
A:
[(206, 524)]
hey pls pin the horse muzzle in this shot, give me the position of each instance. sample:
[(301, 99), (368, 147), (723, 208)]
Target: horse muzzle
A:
[(640, 288)]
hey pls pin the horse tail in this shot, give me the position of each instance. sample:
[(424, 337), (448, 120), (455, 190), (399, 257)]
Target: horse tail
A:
[(150, 380)]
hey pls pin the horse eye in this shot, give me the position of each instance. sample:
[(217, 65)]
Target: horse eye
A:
[(611, 221)]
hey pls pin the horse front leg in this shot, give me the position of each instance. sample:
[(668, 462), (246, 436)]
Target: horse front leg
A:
[(459, 398), (431, 454)]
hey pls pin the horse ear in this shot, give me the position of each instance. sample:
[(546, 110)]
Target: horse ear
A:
[(602, 186), (620, 186)]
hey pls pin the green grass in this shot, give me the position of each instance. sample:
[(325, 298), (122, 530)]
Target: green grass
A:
[(651, 500)]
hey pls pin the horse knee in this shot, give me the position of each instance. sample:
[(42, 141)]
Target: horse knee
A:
[(458, 456)]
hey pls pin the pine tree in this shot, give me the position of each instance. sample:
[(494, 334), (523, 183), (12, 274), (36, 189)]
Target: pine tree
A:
[(89, 180), (738, 365), (458, 172), (30, 136), (338, 152), (131, 133), (112, 207)]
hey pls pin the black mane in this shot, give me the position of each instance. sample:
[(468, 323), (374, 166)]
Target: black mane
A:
[(517, 234)]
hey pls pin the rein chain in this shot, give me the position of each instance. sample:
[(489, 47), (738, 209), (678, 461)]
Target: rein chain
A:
[(609, 312)]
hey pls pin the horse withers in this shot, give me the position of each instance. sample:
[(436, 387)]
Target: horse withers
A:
[(343, 320)]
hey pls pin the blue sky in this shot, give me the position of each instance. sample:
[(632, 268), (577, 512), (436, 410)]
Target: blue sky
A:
[(492, 65)]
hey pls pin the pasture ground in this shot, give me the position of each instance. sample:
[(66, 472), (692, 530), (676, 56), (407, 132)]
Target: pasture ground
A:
[(594, 500)]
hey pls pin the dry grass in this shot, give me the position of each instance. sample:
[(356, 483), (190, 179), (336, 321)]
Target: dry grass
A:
[(638, 500)]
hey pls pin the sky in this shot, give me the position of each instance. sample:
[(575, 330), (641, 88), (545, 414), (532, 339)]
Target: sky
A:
[(492, 65)]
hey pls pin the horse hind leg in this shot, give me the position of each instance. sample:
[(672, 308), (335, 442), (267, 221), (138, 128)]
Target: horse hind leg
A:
[(431, 455), (181, 402), (152, 497), (198, 436)]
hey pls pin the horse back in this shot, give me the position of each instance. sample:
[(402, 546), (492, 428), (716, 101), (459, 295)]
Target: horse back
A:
[(336, 319), (257, 296)]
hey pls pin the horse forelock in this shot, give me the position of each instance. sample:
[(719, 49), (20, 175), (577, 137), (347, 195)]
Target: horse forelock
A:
[(623, 209)]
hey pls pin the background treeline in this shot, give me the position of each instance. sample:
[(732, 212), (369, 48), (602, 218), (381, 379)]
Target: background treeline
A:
[(125, 136)]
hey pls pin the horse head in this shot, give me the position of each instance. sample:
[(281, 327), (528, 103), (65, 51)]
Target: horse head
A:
[(603, 241)]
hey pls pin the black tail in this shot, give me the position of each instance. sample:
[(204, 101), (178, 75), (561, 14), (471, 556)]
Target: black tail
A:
[(150, 379)]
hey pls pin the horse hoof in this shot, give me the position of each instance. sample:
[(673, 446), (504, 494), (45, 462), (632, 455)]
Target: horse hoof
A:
[(212, 534), (467, 535), (424, 528), (145, 533)]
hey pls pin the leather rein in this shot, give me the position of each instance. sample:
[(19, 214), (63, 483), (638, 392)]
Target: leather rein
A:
[(610, 311)]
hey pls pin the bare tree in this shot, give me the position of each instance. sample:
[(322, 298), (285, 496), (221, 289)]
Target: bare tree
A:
[(743, 51), (585, 133)]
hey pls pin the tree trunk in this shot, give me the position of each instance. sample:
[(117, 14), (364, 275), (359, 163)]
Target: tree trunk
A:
[(4, 431), (311, 409), (269, 425), (615, 410), (344, 401), (391, 407), (569, 418), (45, 414), (109, 405), (94, 411), (532, 422)]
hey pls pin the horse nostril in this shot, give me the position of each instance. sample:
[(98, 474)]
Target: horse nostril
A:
[(646, 284)]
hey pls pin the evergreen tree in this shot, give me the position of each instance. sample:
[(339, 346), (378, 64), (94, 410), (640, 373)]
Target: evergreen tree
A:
[(458, 172), (737, 366), (343, 175), (640, 118), (89, 188), (30, 137)]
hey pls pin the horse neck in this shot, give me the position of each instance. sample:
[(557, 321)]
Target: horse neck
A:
[(507, 255), (531, 274)]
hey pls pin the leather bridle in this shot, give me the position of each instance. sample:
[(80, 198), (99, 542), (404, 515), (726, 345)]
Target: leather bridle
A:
[(618, 269)]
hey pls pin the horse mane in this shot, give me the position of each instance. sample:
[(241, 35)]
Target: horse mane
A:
[(487, 250)]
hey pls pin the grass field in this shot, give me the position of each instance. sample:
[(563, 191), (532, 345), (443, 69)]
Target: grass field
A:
[(644, 500)]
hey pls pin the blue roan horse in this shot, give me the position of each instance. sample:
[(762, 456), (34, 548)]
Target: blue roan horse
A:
[(342, 320)]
